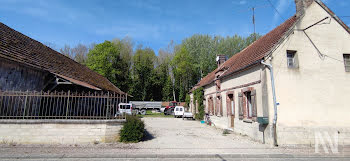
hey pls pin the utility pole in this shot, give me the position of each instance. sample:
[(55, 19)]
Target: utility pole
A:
[(253, 15), (253, 9)]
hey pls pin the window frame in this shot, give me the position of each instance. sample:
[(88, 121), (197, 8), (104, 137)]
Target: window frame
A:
[(248, 105), (294, 59), (346, 62)]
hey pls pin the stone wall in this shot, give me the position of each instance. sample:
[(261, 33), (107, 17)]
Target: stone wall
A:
[(59, 131), (15, 76)]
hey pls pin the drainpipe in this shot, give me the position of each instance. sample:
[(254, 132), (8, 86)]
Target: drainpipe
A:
[(274, 102)]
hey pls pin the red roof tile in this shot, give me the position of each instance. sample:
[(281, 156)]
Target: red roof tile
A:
[(18, 47), (251, 54)]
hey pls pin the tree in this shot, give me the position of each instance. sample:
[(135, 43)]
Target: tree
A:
[(106, 59), (66, 50), (80, 53), (184, 71), (143, 65)]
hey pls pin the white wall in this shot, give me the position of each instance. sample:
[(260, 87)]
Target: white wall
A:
[(315, 95)]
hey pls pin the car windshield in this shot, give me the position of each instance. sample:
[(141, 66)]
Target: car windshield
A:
[(124, 106)]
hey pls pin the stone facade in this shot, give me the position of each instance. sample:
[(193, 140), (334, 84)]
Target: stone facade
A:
[(59, 131)]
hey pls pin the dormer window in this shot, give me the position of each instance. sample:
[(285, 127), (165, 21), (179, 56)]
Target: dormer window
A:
[(292, 61)]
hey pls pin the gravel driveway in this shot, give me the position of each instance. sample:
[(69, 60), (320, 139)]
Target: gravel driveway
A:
[(186, 136)]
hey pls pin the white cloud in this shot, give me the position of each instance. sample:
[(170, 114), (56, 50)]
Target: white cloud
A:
[(242, 2), (138, 30)]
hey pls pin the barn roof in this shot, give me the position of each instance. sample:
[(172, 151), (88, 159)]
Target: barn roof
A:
[(18, 47)]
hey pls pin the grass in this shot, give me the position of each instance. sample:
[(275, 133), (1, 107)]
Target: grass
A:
[(150, 114)]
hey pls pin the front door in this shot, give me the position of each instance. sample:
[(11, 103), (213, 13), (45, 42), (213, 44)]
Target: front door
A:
[(232, 112)]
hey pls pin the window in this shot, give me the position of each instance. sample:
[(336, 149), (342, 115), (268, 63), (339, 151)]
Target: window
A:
[(247, 108), (232, 108), (347, 62), (292, 59), (124, 107), (249, 104)]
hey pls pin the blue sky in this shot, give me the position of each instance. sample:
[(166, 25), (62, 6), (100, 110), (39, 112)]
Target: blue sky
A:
[(152, 23)]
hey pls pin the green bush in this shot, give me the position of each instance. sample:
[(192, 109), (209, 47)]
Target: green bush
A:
[(133, 130)]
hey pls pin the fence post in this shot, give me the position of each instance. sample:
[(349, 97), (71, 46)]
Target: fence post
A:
[(67, 104), (107, 105), (25, 104)]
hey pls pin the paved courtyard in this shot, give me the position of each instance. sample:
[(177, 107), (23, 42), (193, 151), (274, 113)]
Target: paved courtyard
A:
[(170, 139)]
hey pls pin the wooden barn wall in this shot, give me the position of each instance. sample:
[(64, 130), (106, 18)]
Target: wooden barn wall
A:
[(16, 76)]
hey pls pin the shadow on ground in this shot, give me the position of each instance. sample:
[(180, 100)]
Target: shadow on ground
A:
[(148, 136)]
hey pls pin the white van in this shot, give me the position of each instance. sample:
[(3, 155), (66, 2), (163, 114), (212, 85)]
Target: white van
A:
[(179, 111), (124, 108)]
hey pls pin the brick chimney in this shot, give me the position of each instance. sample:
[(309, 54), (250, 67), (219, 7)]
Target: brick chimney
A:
[(220, 59), (301, 5)]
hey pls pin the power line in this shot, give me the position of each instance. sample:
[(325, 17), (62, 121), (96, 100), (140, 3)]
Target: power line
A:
[(276, 10)]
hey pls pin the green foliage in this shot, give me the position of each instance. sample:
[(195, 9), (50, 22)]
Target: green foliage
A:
[(188, 100), (198, 96), (167, 76), (143, 74), (133, 129), (183, 71), (107, 59)]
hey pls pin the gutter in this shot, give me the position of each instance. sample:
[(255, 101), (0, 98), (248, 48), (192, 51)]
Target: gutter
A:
[(274, 102)]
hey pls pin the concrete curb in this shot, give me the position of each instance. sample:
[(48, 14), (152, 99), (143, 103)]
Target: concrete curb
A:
[(164, 156), (60, 121)]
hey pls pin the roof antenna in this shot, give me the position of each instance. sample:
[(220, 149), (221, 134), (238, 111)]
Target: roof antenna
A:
[(253, 9)]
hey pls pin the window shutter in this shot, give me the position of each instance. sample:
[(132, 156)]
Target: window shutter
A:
[(254, 107), (221, 107), (216, 106), (240, 105)]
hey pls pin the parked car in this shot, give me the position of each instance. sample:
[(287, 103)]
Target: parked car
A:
[(179, 111), (124, 108), (187, 115)]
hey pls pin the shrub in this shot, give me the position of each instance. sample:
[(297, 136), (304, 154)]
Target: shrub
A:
[(133, 129), (225, 132)]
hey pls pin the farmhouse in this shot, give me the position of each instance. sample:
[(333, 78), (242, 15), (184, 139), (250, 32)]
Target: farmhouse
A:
[(288, 86), (26, 64)]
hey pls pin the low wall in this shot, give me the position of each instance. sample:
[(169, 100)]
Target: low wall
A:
[(59, 131), (311, 135), (220, 121), (251, 129)]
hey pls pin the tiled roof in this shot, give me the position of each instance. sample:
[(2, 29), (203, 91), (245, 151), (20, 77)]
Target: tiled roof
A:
[(251, 54), (18, 47)]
